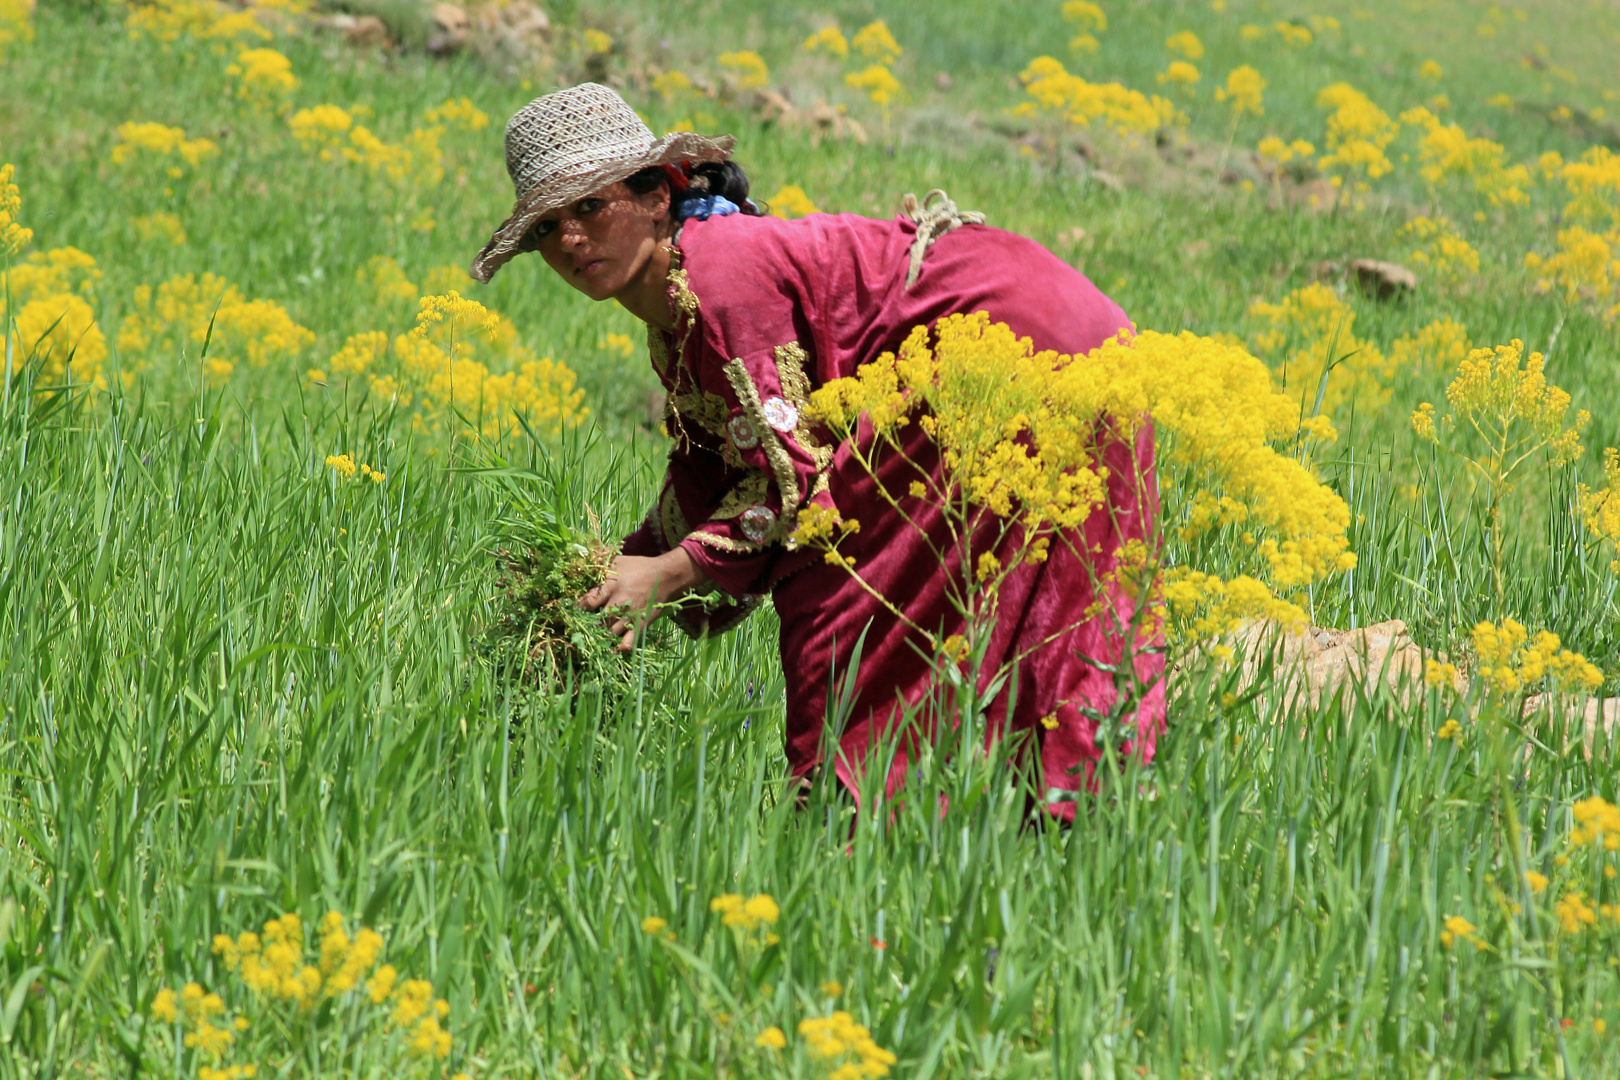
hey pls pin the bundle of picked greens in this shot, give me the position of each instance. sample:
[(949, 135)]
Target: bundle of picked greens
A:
[(538, 635)]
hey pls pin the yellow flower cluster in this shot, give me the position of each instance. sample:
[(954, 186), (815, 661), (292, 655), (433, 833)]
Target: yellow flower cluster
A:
[(1600, 509), (332, 133), (1087, 17), (746, 68), (1597, 821), (1492, 393), (230, 1072), (1293, 34), (167, 21), (845, 1046), (275, 967), (750, 914), (1311, 330), (52, 293), (13, 237), (263, 77), (876, 43), (1179, 73), (1440, 251), (1017, 433), (436, 369), (181, 311), (877, 82), (343, 465), (384, 280), (1203, 606), (1586, 267), (15, 23), (1244, 91), (1278, 152), (1357, 133), (671, 83), (460, 112), (1593, 183), (1185, 44), (1445, 150), (160, 225), (1574, 913), (163, 142), (791, 201), (1510, 660), (202, 1017), (1443, 344), (1460, 929), (830, 40), (1124, 110)]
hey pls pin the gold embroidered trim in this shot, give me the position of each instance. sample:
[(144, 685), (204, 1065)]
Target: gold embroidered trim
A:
[(725, 543), (750, 491), (671, 522), (709, 411), (790, 364), (787, 481), (657, 350)]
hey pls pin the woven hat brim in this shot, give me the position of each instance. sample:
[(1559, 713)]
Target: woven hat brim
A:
[(512, 238)]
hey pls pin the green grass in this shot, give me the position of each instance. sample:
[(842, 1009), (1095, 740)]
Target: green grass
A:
[(235, 685)]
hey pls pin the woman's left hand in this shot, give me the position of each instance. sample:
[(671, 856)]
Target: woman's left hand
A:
[(636, 587)]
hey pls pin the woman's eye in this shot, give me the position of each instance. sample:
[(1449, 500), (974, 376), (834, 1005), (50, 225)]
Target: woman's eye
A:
[(543, 229), (585, 206)]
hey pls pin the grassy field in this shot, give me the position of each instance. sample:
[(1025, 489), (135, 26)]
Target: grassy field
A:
[(239, 684)]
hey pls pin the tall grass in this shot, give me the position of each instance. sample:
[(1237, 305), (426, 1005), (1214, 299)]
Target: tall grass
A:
[(237, 685)]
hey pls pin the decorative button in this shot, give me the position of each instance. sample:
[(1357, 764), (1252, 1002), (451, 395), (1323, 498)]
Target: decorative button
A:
[(757, 522), (743, 435), (780, 415)]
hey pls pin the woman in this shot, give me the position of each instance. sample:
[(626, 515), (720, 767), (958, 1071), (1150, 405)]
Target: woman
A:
[(746, 315)]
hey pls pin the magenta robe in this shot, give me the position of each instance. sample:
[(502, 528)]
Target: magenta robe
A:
[(769, 310)]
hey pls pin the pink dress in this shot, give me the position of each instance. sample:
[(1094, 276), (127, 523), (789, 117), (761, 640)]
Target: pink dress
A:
[(767, 311)]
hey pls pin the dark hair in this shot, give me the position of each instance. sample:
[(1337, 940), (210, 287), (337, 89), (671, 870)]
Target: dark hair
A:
[(724, 178)]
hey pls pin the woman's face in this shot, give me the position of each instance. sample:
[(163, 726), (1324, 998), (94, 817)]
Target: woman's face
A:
[(603, 242)]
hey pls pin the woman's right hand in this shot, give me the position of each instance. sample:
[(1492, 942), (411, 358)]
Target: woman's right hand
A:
[(637, 587)]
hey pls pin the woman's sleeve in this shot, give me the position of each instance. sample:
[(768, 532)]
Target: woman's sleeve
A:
[(773, 462)]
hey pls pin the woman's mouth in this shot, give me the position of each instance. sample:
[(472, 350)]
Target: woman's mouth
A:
[(589, 267)]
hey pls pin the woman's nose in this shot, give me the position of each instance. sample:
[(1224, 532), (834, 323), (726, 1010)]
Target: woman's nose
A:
[(570, 234)]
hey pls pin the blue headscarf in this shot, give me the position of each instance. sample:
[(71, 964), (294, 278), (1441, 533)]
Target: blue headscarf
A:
[(703, 207)]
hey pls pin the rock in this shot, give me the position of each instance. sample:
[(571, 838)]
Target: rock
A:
[(367, 31), (1320, 662), (820, 119), (450, 26), (1383, 279)]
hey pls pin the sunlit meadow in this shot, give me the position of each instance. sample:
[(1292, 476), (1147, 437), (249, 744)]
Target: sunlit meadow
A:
[(310, 771)]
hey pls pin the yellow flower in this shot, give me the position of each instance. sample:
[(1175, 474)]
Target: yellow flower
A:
[(1050, 722), (1357, 133), (595, 42), (263, 76), (1449, 730), (1085, 14), (1293, 34), (1053, 88), (163, 1007), (1436, 673), (1457, 928), (832, 988), (771, 1038), (875, 43), (1537, 882), (747, 68), (1573, 913), (1430, 70), (828, 39), (1245, 89), (652, 924), (1185, 43), (342, 464), (1179, 73), (458, 111), (790, 201), (878, 83)]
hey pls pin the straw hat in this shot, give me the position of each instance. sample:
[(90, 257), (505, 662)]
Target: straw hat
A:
[(562, 147)]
